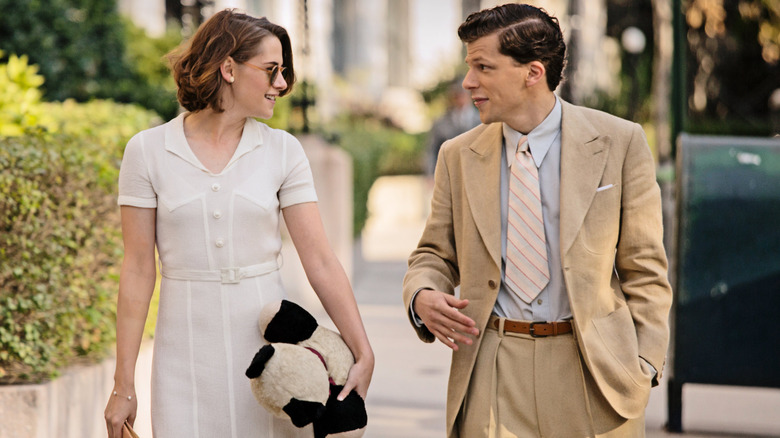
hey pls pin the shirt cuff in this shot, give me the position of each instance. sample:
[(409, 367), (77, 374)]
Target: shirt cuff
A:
[(416, 319), (134, 201), (652, 369)]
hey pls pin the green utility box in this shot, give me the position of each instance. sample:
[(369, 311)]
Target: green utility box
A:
[(726, 314)]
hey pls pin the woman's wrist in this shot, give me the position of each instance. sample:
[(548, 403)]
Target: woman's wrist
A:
[(124, 396), (365, 356), (124, 387)]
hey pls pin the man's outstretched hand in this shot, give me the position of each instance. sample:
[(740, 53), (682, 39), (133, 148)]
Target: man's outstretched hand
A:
[(440, 312)]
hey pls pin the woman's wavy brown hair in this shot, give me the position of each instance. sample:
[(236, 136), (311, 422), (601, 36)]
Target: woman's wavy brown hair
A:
[(196, 64)]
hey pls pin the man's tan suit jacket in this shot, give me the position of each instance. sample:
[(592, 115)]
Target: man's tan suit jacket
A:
[(614, 265)]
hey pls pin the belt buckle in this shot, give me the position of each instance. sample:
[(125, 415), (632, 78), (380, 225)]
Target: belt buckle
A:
[(532, 332), (230, 275)]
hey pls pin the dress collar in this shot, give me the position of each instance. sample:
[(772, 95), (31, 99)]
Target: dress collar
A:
[(176, 142)]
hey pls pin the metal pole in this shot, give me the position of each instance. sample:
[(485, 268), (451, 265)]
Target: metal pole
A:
[(305, 102), (679, 73)]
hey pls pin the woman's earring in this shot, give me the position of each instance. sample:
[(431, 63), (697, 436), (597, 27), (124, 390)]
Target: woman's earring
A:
[(232, 79)]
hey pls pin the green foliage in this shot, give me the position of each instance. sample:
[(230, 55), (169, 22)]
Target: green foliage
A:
[(19, 95), (60, 243), (732, 66), (59, 237), (81, 48), (633, 102), (78, 43), (283, 113), (147, 56), (376, 150)]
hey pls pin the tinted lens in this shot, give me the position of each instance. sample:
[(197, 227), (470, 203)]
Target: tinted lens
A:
[(274, 73)]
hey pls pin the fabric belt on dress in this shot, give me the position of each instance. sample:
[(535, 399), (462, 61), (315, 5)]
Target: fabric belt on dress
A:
[(535, 329), (224, 275)]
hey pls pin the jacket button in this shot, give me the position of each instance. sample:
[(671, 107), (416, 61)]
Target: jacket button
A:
[(492, 284)]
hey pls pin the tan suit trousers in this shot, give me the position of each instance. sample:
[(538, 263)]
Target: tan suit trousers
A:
[(523, 387)]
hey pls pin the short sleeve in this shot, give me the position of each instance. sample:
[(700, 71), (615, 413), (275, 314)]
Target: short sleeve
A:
[(298, 184), (135, 186)]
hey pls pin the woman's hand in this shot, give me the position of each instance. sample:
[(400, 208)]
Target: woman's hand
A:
[(359, 378), (119, 409)]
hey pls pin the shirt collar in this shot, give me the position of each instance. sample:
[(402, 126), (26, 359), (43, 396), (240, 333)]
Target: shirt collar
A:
[(540, 139), (176, 141)]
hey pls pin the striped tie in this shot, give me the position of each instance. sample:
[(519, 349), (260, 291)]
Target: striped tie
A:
[(526, 252)]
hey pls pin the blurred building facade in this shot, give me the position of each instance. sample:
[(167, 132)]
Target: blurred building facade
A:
[(378, 55)]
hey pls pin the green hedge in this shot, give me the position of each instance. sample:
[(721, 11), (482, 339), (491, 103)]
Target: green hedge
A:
[(60, 245), (60, 239), (376, 150)]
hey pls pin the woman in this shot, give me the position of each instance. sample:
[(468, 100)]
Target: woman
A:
[(207, 188)]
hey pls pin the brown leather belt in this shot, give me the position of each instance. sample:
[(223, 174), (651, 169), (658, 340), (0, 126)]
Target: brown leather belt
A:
[(535, 329)]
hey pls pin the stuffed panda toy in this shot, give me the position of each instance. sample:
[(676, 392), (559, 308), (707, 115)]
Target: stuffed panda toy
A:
[(302, 370)]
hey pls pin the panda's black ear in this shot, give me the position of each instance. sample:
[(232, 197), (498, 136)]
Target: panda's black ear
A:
[(303, 412), (258, 363), (291, 324)]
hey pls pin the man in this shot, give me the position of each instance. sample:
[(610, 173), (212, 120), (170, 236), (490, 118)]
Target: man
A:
[(545, 212)]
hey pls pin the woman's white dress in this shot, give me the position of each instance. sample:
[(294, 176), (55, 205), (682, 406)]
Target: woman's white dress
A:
[(218, 241)]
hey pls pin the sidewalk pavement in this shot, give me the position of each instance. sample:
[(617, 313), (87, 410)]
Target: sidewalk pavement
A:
[(408, 391)]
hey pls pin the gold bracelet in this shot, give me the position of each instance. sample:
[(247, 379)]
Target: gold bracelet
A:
[(129, 397)]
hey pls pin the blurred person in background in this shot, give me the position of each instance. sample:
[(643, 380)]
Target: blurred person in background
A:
[(206, 189), (548, 218), (459, 118)]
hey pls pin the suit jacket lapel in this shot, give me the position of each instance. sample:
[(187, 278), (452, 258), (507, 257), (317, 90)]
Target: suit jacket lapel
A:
[(584, 155), (481, 178)]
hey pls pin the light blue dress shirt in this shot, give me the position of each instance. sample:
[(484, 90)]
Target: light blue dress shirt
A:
[(544, 141)]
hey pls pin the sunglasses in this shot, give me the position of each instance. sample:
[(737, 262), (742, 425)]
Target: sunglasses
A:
[(273, 72)]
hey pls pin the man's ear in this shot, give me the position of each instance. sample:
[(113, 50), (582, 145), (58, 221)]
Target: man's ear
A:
[(536, 73)]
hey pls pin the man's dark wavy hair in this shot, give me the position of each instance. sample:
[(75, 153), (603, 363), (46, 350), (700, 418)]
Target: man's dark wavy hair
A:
[(526, 33)]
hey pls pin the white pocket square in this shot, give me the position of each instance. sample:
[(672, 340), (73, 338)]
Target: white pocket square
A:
[(608, 186)]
